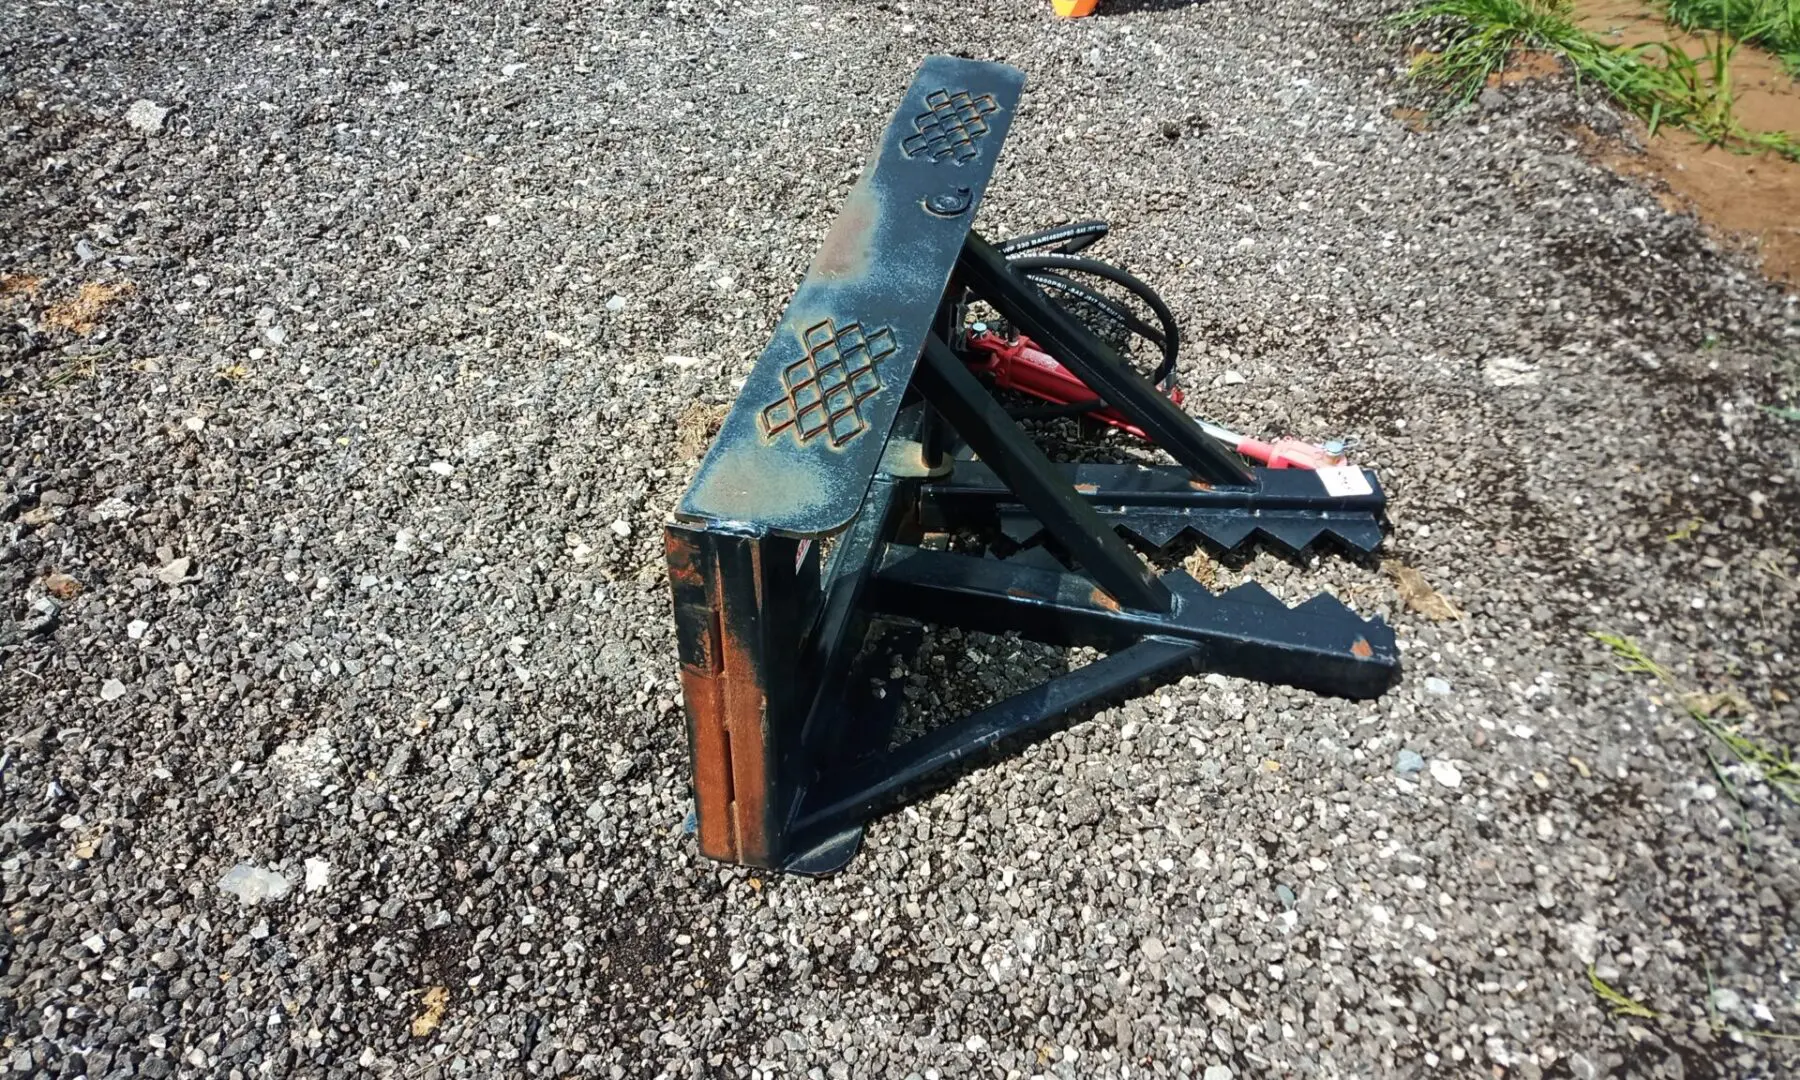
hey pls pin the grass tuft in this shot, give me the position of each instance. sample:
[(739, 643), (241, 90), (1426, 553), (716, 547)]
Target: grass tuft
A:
[(1632, 658), (1771, 24), (1657, 81), (1685, 530), (1620, 1003), (1484, 35)]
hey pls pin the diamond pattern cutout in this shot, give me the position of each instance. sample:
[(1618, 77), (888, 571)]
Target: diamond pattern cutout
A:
[(825, 388), (950, 128)]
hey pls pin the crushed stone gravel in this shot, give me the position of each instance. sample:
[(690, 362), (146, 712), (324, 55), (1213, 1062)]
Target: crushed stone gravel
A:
[(351, 361)]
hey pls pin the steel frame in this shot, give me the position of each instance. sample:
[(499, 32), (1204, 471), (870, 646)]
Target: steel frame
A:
[(862, 424)]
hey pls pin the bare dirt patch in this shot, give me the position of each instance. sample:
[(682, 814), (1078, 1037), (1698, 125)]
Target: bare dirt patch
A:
[(81, 314), (1753, 200), (20, 284)]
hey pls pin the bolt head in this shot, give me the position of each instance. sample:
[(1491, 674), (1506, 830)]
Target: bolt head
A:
[(949, 203)]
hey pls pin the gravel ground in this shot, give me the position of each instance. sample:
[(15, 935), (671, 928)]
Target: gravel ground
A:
[(330, 546)]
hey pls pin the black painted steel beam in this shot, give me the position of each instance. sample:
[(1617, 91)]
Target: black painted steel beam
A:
[(986, 273), (804, 438), (882, 780), (961, 399), (1292, 508), (1319, 645)]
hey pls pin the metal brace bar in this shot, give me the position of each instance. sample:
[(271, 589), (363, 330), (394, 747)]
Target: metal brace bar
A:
[(974, 484), (870, 787), (986, 273), (984, 425), (1320, 645), (1291, 508)]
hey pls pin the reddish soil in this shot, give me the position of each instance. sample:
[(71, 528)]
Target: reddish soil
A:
[(1752, 198)]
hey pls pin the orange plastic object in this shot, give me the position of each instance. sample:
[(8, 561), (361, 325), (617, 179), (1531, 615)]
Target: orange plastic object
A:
[(1074, 9)]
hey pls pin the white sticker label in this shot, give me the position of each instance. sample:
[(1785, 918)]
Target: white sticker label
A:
[(1344, 480)]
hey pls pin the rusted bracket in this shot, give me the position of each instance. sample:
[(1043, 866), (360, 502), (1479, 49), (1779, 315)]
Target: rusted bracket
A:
[(861, 429)]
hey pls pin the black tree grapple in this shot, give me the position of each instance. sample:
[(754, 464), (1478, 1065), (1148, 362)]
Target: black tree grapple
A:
[(862, 430)]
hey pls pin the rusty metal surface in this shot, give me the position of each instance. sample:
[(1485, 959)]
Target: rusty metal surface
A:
[(798, 450), (702, 691), (736, 606)]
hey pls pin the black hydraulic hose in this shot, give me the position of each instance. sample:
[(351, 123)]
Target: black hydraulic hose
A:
[(1171, 343), (1050, 270), (1114, 313), (1073, 237)]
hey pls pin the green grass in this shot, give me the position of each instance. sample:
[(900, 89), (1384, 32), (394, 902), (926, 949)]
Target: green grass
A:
[(1618, 1003), (1484, 35), (1774, 766), (1771, 24), (1657, 81)]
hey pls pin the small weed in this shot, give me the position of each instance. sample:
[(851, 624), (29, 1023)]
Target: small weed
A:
[(1774, 766), (1657, 81), (1619, 1003), (80, 368), (1418, 593), (1685, 530), (1633, 660), (1770, 564)]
